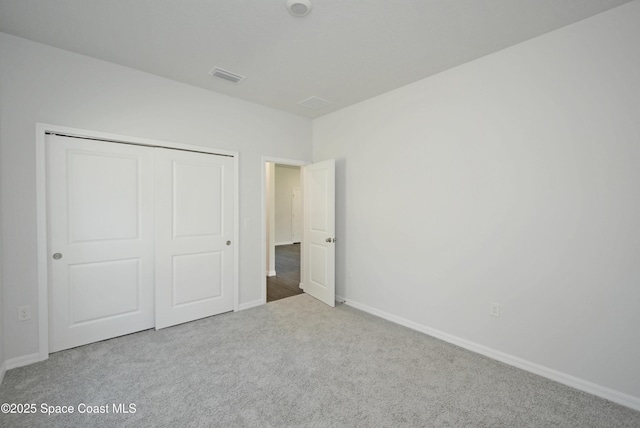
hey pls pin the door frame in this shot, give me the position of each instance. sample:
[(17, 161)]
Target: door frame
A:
[(41, 211), (299, 214), (263, 222)]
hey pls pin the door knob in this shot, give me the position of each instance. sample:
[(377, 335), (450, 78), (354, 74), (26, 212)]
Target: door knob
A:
[(228, 242), (57, 256), (330, 240)]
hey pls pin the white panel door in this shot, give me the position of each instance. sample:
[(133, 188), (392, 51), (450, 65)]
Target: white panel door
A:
[(194, 231), (100, 205), (296, 215), (319, 231)]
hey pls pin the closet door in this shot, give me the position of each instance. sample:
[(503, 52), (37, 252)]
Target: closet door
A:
[(194, 215), (101, 256)]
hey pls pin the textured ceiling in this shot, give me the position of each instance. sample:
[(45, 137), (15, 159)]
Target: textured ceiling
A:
[(344, 51)]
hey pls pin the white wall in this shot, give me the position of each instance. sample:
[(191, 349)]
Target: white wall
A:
[(48, 85), (2, 359), (287, 177), (514, 179)]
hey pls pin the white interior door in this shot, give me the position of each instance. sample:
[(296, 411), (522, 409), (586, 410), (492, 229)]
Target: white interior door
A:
[(296, 215), (100, 205), (318, 267), (194, 230)]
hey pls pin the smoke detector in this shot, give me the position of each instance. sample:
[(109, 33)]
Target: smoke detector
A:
[(299, 7)]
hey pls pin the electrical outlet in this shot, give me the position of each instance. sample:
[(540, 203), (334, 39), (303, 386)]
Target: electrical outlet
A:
[(24, 313), (494, 309)]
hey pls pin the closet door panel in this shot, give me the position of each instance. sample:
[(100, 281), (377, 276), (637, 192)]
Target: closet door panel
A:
[(194, 232), (101, 257)]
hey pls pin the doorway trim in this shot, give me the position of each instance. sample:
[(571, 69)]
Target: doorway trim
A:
[(41, 212), (263, 204)]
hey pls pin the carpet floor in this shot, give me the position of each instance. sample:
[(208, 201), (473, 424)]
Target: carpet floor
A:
[(294, 363)]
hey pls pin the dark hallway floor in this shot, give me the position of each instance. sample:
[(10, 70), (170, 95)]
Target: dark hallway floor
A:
[(286, 283)]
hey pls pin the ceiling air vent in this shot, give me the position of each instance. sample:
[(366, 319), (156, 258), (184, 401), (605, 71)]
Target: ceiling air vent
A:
[(226, 75), (314, 103)]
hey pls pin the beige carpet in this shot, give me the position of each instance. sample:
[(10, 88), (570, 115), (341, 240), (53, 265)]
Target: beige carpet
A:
[(295, 363)]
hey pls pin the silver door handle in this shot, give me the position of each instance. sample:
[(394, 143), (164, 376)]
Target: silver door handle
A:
[(228, 242), (57, 256), (330, 240)]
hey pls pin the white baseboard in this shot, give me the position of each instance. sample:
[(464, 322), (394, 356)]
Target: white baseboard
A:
[(566, 379), (271, 273), (249, 305), (3, 370), (25, 360)]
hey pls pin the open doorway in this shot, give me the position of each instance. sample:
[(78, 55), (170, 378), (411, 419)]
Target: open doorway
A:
[(284, 230), (286, 282)]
